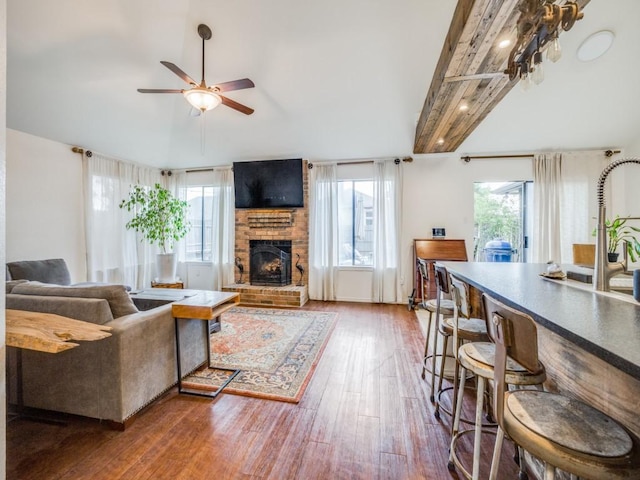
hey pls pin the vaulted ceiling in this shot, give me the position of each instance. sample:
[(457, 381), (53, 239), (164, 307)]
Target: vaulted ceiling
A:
[(469, 79), (334, 80)]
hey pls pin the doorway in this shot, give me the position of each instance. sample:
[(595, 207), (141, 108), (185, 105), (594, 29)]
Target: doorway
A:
[(502, 221)]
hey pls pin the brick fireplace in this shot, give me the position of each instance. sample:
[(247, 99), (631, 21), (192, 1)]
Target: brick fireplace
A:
[(273, 226)]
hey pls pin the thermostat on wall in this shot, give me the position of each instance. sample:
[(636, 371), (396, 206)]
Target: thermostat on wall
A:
[(437, 232)]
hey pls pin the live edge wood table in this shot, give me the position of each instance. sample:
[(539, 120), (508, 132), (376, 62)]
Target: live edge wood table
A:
[(204, 305), (45, 332)]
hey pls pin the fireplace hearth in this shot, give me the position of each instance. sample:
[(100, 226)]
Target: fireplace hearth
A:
[(270, 262)]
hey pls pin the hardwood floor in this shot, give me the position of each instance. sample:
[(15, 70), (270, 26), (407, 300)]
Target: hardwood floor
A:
[(366, 414)]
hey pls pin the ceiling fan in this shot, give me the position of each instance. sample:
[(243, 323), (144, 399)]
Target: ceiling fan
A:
[(199, 95)]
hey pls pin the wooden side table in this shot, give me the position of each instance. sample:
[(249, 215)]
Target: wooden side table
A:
[(205, 305), (178, 285)]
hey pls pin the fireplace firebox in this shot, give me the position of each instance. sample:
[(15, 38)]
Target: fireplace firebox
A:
[(270, 262)]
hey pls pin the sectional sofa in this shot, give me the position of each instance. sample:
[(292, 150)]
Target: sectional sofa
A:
[(111, 379)]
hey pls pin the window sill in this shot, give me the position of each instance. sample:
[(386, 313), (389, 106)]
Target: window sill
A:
[(355, 268)]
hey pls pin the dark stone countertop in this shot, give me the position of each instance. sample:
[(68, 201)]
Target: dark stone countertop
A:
[(601, 323)]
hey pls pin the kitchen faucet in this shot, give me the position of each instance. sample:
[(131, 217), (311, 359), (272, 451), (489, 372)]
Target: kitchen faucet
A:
[(604, 269)]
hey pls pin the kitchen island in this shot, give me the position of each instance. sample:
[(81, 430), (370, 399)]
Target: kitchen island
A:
[(589, 341)]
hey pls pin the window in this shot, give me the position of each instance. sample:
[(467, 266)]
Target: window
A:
[(355, 222), (500, 214), (198, 240)]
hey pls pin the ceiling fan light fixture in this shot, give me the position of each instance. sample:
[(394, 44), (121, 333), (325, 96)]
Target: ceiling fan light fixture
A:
[(202, 98)]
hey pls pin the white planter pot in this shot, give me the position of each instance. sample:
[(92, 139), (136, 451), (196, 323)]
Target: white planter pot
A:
[(166, 267)]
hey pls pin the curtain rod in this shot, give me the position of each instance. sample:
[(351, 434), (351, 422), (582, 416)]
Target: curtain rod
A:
[(82, 151), (356, 162), (468, 158)]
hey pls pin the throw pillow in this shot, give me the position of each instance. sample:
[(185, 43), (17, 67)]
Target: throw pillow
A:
[(10, 284), (119, 300), (53, 270)]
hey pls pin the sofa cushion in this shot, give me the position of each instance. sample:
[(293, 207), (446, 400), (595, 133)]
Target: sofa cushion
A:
[(92, 310), (10, 284), (119, 300), (52, 270)]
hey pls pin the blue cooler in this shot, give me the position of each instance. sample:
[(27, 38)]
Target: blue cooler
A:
[(498, 251)]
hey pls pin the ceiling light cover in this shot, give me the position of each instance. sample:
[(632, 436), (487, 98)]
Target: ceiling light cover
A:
[(202, 98), (595, 45)]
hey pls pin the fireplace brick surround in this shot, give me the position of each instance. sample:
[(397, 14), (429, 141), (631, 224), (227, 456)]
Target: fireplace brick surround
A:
[(266, 224)]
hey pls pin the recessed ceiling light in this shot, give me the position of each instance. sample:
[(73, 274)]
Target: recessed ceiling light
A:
[(440, 141), (504, 43), (464, 107), (595, 45)]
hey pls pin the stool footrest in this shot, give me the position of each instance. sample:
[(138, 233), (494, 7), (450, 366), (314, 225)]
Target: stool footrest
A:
[(453, 456)]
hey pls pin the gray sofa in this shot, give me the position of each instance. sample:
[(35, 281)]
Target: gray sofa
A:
[(110, 379)]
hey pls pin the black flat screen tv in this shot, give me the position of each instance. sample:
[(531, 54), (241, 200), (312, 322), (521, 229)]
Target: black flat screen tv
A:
[(269, 184)]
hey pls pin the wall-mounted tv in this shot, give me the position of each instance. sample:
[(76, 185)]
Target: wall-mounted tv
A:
[(269, 184)]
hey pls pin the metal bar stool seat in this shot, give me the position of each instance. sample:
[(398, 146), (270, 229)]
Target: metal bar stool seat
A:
[(479, 359), (470, 329), (563, 432)]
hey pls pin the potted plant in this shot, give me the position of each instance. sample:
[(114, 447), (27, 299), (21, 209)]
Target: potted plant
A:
[(617, 232), (161, 218)]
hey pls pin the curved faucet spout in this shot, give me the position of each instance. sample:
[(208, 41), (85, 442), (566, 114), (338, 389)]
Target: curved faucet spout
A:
[(604, 270)]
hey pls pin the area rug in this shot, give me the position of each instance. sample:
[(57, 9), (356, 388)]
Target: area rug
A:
[(276, 351)]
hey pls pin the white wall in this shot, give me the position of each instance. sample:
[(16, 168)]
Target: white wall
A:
[(438, 192), (3, 143), (45, 219), (44, 202)]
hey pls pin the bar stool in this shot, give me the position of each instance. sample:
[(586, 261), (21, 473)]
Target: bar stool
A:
[(478, 358), (438, 305), (442, 288), (463, 327), (562, 432)]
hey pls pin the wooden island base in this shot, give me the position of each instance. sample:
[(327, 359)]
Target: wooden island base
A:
[(574, 371)]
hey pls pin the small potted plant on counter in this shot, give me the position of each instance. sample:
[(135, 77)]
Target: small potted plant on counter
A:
[(162, 220), (617, 232)]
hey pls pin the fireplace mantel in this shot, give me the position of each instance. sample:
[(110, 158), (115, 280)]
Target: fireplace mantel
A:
[(271, 218)]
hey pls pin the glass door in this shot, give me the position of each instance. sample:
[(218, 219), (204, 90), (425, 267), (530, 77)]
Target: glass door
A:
[(502, 221)]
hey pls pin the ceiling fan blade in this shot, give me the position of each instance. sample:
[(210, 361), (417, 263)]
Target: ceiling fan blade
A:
[(233, 85), (175, 69), (158, 90), (236, 106)]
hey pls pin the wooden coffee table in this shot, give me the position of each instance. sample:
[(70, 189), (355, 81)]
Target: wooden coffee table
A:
[(205, 305)]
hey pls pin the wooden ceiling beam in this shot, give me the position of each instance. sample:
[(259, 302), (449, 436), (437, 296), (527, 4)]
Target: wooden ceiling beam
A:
[(469, 72)]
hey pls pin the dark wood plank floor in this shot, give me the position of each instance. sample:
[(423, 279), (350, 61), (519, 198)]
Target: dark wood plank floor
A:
[(366, 414)]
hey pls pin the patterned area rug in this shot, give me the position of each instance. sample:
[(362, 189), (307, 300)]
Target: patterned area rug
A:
[(276, 351)]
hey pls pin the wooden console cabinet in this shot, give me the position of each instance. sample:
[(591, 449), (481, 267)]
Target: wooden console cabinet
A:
[(433, 250)]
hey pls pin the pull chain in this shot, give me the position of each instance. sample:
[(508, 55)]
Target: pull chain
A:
[(202, 133)]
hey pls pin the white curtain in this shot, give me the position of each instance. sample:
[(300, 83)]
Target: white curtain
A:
[(565, 203), (178, 183), (387, 214), (221, 213), (323, 231), (115, 254), (223, 231), (547, 202), (579, 203)]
